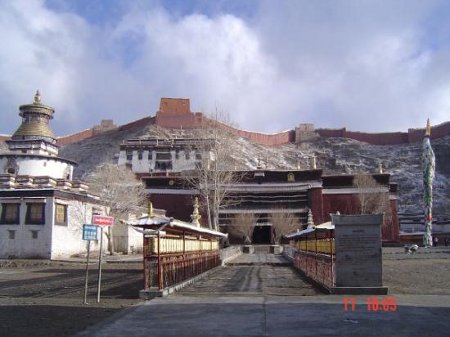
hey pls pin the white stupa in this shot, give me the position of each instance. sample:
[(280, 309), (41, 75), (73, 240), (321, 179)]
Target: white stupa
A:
[(33, 150)]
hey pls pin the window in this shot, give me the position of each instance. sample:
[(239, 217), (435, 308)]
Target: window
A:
[(61, 214), (140, 155), (10, 214), (198, 156), (187, 154), (150, 155), (12, 235), (34, 234), (177, 154), (163, 156), (35, 214), (129, 155)]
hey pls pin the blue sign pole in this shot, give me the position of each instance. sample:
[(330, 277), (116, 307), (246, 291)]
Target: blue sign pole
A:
[(89, 233)]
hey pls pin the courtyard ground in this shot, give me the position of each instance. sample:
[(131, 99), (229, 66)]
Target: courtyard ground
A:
[(42, 298)]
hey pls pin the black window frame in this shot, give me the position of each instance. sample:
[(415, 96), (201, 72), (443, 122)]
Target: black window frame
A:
[(3, 220), (28, 220), (129, 155)]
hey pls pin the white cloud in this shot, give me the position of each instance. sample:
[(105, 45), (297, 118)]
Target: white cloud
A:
[(369, 66)]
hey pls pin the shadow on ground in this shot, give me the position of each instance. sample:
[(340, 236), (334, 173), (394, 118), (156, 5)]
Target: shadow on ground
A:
[(49, 321)]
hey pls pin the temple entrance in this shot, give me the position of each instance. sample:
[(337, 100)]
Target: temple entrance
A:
[(262, 235)]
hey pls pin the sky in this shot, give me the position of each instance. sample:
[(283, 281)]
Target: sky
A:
[(372, 66)]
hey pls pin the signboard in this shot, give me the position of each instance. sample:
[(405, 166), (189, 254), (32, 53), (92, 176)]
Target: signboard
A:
[(89, 232), (102, 220)]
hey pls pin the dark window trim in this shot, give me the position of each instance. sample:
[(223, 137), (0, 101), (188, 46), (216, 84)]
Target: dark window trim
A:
[(28, 215), (3, 215)]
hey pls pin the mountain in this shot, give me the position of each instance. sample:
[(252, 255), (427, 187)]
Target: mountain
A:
[(333, 155)]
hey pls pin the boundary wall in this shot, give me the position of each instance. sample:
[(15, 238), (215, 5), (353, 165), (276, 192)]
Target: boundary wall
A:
[(176, 113)]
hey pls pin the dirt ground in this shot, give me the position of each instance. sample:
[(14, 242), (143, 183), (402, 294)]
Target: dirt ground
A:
[(42, 298), (46, 298)]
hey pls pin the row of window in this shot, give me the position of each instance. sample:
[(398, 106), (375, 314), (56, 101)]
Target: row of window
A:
[(35, 214), (162, 156)]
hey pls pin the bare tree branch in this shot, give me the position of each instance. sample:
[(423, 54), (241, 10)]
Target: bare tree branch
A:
[(283, 223), (216, 168), (372, 197), (120, 190), (242, 226)]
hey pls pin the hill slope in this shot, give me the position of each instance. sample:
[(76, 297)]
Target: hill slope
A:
[(334, 156)]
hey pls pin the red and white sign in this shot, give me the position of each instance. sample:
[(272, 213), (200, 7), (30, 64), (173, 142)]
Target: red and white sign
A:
[(102, 220)]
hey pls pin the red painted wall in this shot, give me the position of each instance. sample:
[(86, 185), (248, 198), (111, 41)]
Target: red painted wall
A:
[(76, 137), (347, 204), (317, 205)]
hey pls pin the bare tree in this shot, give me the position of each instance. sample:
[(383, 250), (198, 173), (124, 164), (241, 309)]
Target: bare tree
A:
[(283, 223), (242, 226), (216, 169), (119, 190), (372, 197)]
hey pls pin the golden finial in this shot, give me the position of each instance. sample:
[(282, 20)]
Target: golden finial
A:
[(195, 217), (314, 164), (37, 97), (310, 220), (428, 129), (380, 168), (150, 210)]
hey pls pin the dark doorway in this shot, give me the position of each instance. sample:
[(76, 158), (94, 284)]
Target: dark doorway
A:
[(261, 235)]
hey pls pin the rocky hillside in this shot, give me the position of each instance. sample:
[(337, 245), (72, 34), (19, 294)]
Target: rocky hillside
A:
[(334, 156)]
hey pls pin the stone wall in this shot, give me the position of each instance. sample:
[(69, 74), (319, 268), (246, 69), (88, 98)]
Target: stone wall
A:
[(387, 138)]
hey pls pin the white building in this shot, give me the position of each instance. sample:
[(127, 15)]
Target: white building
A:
[(148, 155), (45, 223), (42, 210)]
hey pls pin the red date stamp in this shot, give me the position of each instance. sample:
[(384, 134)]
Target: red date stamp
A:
[(374, 304)]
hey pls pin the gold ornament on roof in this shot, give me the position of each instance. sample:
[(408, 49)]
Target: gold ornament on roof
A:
[(37, 97), (150, 210)]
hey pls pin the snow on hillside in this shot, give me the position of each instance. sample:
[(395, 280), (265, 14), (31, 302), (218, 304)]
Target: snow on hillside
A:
[(333, 155)]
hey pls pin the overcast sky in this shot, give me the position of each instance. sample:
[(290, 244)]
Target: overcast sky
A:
[(366, 65)]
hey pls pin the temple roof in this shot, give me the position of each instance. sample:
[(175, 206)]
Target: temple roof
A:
[(35, 127)]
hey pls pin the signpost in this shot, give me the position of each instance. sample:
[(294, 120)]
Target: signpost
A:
[(89, 233), (101, 220)]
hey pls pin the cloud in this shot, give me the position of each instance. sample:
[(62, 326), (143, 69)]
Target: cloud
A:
[(369, 66)]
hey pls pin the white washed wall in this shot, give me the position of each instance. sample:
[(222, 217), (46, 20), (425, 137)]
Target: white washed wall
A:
[(126, 239), (40, 167), (24, 246), (68, 240)]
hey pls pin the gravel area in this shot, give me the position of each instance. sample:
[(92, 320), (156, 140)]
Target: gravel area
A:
[(426, 272)]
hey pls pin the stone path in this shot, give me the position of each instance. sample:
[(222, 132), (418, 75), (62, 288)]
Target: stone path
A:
[(259, 295), (257, 274)]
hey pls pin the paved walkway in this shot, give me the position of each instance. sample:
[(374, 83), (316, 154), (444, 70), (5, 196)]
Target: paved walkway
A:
[(267, 298), (276, 316), (257, 274)]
